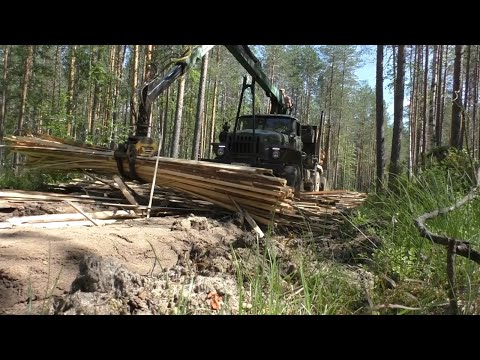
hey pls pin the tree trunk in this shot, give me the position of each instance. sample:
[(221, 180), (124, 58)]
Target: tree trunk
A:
[(438, 134), (272, 78), (360, 156), (380, 136), (96, 95), (205, 128), (200, 109), (211, 138), (108, 92), (418, 117), (475, 104), (147, 76), (413, 113), (120, 56), (148, 59), (133, 87), (165, 123), (431, 103), (53, 107), (328, 122), (337, 159), (339, 120), (90, 93), (394, 57), (442, 114), (27, 71), (71, 81), (456, 127), (3, 110), (425, 95), (397, 118), (465, 126), (178, 118)]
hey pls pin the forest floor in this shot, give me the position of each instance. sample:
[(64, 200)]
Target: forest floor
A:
[(163, 265)]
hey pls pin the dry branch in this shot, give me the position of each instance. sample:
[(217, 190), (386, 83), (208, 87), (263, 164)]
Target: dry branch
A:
[(454, 246), (462, 248)]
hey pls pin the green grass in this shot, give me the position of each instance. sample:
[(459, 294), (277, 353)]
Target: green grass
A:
[(47, 300), (407, 272), (313, 287), (418, 265)]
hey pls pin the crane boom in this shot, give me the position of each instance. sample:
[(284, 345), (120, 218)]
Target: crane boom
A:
[(249, 61), (242, 53), (152, 89)]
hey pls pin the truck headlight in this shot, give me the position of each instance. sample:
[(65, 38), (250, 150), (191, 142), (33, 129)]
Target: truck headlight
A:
[(275, 153), (221, 150)]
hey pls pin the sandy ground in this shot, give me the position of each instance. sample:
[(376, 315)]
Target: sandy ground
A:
[(33, 262), (164, 265)]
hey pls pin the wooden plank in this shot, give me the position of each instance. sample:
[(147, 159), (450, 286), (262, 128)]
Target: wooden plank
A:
[(88, 217), (222, 198), (100, 215), (172, 181), (124, 189), (249, 219), (37, 195), (63, 224)]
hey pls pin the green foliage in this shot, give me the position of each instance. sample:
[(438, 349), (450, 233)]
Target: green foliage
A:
[(31, 179), (457, 162), (411, 260)]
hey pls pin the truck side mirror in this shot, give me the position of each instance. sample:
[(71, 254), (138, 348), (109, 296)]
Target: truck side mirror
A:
[(291, 137)]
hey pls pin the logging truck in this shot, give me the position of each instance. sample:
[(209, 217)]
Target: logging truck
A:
[(275, 141)]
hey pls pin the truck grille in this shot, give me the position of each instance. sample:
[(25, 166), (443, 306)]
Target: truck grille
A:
[(242, 144)]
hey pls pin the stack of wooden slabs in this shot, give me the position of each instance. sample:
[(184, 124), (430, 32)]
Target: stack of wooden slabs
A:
[(256, 190)]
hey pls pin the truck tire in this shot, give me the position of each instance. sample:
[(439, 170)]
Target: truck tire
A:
[(293, 176), (308, 186)]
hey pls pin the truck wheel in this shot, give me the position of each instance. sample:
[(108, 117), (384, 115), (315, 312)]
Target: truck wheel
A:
[(294, 179), (291, 175), (308, 187)]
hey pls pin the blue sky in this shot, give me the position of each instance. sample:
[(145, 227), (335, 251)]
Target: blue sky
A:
[(367, 73)]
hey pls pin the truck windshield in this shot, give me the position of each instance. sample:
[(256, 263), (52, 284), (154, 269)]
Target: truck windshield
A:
[(266, 123)]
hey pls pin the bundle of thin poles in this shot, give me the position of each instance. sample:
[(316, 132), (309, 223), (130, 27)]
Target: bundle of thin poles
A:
[(254, 190)]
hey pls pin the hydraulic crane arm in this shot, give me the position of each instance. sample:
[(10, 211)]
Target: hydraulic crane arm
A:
[(152, 89), (248, 60), (242, 53), (140, 143)]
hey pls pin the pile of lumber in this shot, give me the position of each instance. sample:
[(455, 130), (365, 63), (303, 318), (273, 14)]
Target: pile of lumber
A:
[(255, 192), (99, 196)]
